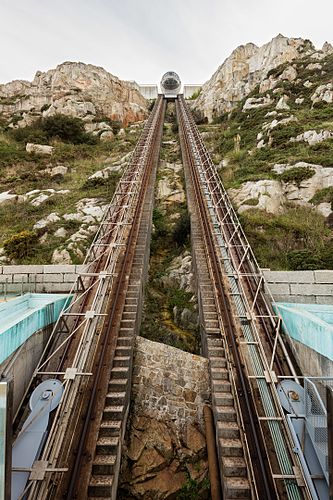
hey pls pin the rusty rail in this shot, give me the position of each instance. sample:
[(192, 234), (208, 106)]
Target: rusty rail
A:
[(83, 340)]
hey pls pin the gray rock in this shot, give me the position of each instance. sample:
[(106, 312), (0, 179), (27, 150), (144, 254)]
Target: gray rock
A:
[(313, 137), (50, 219), (257, 102), (60, 233), (325, 209), (246, 67), (323, 93), (6, 196), (282, 104), (61, 256), (55, 171), (108, 135), (39, 149)]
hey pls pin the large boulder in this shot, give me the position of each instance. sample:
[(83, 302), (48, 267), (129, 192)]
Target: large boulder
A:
[(265, 195)]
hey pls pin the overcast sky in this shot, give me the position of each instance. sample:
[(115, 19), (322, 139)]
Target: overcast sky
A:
[(141, 39)]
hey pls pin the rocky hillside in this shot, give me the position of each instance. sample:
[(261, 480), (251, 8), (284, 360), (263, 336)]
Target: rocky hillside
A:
[(73, 89), (65, 139), (249, 65), (272, 138)]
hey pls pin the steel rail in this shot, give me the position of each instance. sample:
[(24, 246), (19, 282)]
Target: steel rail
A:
[(118, 300), (220, 208), (264, 484), (102, 259)]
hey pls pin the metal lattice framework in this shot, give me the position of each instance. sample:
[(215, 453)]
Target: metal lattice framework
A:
[(84, 316), (251, 310)]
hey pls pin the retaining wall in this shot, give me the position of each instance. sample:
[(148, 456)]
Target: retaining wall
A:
[(313, 287), (310, 287), (38, 279)]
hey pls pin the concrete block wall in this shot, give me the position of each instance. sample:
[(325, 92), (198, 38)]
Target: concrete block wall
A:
[(313, 287), (39, 279)]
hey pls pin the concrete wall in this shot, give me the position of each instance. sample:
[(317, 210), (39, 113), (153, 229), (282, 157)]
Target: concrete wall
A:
[(190, 89), (312, 287), (148, 91), (311, 363), (38, 279)]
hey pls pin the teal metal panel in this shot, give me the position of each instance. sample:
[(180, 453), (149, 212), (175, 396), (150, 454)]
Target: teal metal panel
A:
[(23, 316), (310, 324)]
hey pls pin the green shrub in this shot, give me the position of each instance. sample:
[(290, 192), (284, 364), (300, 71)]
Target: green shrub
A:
[(296, 174), (195, 94), (160, 224), (193, 490), (20, 245), (116, 126), (65, 128), (179, 298), (199, 118), (324, 195), (174, 128), (304, 260), (31, 133), (252, 202), (282, 134), (45, 107)]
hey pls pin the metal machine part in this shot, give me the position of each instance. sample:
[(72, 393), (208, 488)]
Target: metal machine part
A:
[(292, 396), (170, 84), (26, 448)]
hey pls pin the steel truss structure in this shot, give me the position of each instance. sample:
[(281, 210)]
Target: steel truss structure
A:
[(253, 311), (84, 316)]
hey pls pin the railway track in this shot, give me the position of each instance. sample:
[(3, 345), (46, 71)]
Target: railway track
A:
[(91, 348), (250, 330)]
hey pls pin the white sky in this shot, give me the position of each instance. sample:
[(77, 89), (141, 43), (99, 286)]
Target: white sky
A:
[(141, 39)]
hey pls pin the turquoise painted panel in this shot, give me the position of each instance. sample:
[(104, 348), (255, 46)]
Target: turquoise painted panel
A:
[(23, 316), (310, 324)]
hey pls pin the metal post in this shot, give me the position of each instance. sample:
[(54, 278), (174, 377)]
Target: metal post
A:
[(329, 396), (212, 455), (6, 411)]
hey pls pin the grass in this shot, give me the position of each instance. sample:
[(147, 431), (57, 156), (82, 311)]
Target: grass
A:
[(280, 241), (22, 172), (323, 196)]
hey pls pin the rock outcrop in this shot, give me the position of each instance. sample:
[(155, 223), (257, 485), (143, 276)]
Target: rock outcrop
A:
[(248, 66), (73, 89), (273, 195), (166, 444)]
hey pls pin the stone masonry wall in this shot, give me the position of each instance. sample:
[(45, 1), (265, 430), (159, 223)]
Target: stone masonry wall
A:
[(169, 383), (165, 440)]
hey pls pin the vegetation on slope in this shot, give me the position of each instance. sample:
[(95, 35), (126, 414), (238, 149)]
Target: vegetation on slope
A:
[(170, 239), (22, 172), (300, 238)]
